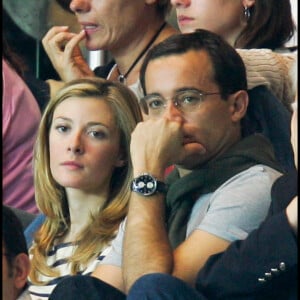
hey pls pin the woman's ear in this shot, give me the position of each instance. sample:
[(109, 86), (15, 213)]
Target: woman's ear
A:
[(150, 2), (21, 269), (239, 103), (121, 160)]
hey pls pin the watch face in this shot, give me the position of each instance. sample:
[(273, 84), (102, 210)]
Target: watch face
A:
[(145, 184)]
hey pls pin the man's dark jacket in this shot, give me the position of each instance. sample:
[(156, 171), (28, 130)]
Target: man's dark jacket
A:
[(264, 265)]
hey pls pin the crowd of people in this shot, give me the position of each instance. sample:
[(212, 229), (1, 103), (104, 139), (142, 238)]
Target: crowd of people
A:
[(168, 173)]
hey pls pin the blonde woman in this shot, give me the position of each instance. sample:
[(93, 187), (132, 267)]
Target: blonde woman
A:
[(82, 173)]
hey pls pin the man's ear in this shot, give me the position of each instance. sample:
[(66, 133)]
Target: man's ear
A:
[(21, 269), (239, 103)]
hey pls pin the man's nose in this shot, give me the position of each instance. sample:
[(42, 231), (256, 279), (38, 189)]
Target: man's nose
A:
[(172, 110)]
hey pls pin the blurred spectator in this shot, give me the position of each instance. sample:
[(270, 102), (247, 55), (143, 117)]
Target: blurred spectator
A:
[(20, 120), (15, 260)]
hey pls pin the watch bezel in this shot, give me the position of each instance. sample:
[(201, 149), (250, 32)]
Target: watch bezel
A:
[(141, 190)]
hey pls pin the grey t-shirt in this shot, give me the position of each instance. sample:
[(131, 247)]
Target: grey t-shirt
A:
[(231, 212)]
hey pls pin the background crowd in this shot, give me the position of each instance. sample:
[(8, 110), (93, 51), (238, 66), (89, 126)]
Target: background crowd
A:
[(163, 173)]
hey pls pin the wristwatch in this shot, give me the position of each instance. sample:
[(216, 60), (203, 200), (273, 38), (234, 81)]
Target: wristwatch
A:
[(147, 185)]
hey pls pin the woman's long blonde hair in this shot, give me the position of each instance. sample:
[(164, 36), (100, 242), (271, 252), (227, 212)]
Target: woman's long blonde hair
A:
[(51, 197)]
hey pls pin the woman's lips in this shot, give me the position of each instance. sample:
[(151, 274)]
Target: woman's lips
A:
[(72, 165), (184, 20), (89, 28)]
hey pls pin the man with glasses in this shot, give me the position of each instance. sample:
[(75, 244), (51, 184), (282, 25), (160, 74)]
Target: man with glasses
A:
[(15, 260), (195, 86)]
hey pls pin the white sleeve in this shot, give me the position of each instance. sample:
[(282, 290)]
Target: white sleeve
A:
[(114, 256)]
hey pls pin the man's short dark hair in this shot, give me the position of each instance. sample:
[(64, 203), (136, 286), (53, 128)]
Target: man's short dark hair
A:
[(12, 234), (229, 69)]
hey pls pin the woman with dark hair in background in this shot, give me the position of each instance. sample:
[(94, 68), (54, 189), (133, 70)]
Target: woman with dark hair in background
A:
[(253, 26)]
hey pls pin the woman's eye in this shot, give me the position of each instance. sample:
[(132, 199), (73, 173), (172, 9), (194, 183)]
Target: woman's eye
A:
[(61, 128), (97, 134)]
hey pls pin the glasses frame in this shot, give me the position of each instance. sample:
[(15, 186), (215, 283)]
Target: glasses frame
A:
[(202, 94)]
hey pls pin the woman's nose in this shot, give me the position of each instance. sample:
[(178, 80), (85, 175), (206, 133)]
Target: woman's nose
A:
[(80, 6), (75, 144), (178, 3)]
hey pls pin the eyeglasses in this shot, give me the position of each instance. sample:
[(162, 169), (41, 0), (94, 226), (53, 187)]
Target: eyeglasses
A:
[(186, 101)]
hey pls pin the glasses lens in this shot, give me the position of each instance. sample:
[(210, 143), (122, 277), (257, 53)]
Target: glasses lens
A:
[(188, 100), (155, 104)]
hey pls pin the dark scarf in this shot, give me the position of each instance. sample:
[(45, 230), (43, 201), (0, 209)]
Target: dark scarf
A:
[(183, 192)]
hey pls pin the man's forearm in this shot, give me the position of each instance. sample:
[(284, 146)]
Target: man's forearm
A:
[(146, 244)]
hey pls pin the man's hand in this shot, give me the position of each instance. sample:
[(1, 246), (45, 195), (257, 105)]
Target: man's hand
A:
[(156, 144)]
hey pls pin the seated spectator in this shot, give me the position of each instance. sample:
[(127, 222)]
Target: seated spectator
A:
[(257, 28), (263, 266), (15, 260), (25, 217), (252, 27), (220, 190), (128, 43), (266, 70), (82, 173), (20, 121)]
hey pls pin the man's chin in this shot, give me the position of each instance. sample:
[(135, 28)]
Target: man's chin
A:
[(191, 163)]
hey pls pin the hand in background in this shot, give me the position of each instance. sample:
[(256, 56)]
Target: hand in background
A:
[(292, 214), (62, 48)]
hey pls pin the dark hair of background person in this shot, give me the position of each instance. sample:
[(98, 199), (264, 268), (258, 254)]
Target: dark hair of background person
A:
[(270, 25), (12, 235), (39, 88), (65, 4), (25, 47), (13, 59), (229, 70)]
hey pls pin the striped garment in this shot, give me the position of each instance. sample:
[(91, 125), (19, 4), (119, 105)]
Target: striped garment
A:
[(57, 258)]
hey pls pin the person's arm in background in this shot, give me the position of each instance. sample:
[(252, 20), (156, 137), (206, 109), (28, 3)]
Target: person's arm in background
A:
[(292, 214), (63, 50), (257, 263), (54, 86), (271, 69)]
